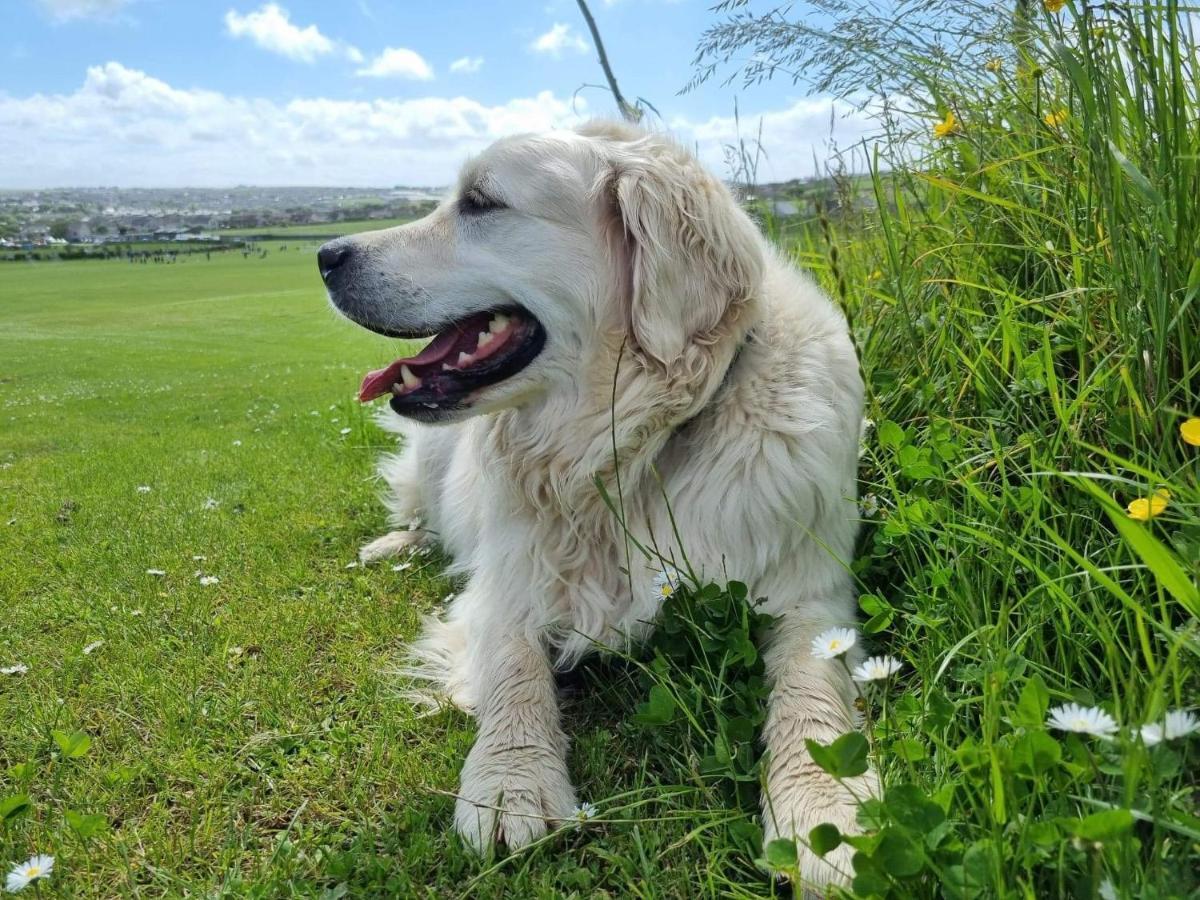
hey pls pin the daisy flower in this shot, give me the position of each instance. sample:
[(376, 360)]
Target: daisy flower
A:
[(1143, 509), (92, 647), (584, 811), (1082, 720), (237, 443), (667, 582), (833, 642), (877, 668), (143, 489), (209, 580), (211, 503), (22, 875), (1190, 431), (345, 431), (157, 573), (18, 669), (1177, 723)]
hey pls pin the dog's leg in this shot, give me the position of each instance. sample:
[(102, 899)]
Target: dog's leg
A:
[(810, 699), (391, 544), (515, 778)]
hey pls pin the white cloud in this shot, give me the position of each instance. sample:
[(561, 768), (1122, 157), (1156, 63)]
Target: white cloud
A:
[(398, 62), (271, 28), (66, 10), (797, 140), (560, 37), (467, 64), (123, 127)]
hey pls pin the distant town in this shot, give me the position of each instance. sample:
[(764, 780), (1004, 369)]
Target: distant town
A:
[(32, 219)]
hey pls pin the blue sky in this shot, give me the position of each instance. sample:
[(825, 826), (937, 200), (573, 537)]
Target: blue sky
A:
[(166, 92)]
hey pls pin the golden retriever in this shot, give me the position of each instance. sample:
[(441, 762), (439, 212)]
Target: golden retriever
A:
[(601, 306)]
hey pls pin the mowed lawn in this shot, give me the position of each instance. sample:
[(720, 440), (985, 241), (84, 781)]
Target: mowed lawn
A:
[(244, 735)]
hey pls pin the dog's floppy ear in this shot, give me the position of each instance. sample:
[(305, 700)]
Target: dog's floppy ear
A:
[(694, 257)]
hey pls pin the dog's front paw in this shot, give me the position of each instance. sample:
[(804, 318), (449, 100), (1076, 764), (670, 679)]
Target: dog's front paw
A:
[(801, 797), (391, 544), (511, 795)]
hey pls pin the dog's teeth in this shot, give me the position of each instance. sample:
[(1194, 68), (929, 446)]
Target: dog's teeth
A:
[(485, 338), (411, 381), (465, 360), (397, 388), (498, 324), (446, 367)]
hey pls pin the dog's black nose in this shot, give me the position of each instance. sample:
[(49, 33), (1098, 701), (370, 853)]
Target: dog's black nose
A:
[(331, 256)]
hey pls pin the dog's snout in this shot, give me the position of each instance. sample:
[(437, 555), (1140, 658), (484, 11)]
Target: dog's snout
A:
[(331, 257)]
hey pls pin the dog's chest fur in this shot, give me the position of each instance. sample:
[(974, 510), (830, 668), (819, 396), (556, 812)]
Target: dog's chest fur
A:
[(757, 486)]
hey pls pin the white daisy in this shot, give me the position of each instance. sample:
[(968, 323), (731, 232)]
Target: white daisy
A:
[(345, 431), (1177, 723), (143, 489), (157, 573), (209, 580), (584, 811), (352, 565), (667, 582), (18, 669), (24, 874), (877, 668), (1082, 720), (211, 503), (237, 443), (199, 558), (832, 643), (92, 647)]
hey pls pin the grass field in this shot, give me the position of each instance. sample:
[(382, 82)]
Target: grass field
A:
[(242, 738), (1024, 288)]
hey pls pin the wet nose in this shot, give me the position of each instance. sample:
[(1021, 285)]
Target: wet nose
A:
[(332, 256)]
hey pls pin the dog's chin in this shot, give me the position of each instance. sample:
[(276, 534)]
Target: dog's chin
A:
[(469, 367)]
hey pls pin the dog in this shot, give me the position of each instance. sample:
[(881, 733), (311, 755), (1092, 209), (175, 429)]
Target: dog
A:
[(603, 311)]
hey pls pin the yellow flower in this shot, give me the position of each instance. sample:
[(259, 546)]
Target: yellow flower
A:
[(876, 275), (1054, 5), (1143, 509), (994, 65), (1190, 431), (946, 127), (1055, 118)]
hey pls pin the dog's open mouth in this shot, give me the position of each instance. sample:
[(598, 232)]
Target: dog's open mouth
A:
[(472, 353)]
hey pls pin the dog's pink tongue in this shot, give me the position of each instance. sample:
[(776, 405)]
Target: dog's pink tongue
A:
[(380, 381)]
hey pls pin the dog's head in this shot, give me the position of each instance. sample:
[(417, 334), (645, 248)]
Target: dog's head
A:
[(551, 247)]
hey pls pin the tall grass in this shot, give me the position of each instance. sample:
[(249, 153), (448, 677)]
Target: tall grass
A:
[(1024, 291)]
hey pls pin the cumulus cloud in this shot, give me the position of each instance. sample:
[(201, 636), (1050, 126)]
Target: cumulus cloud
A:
[(271, 28), (66, 10), (398, 62), (557, 40), (467, 64), (124, 127)]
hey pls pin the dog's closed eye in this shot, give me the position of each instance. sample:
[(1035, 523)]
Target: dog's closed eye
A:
[(475, 203)]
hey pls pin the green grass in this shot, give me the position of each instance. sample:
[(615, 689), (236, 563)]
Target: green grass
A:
[(1026, 299), (243, 738), (322, 228)]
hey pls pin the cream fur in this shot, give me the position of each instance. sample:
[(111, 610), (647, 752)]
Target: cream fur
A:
[(737, 395)]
